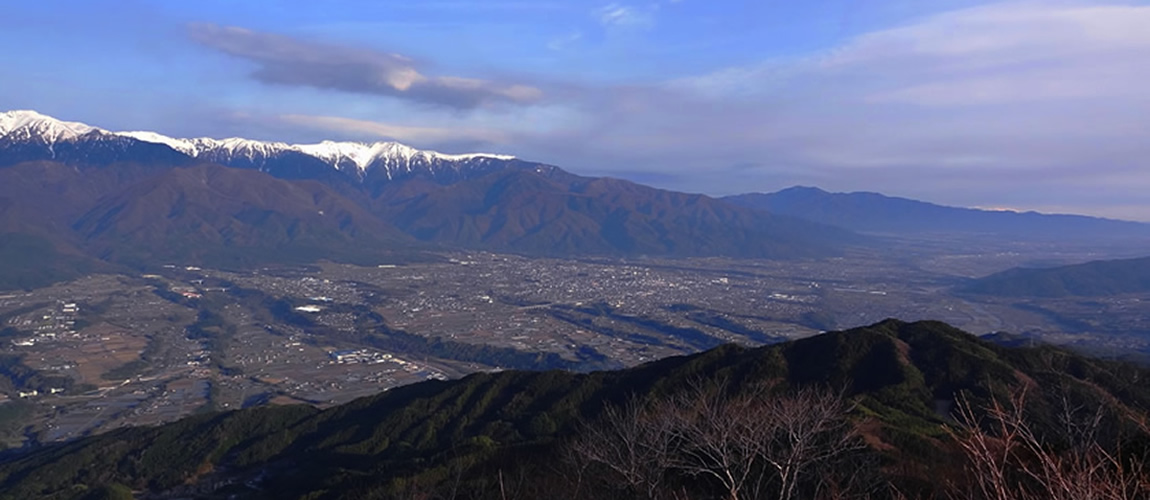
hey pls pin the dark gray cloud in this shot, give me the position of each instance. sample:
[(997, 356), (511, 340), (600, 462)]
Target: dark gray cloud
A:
[(287, 61)]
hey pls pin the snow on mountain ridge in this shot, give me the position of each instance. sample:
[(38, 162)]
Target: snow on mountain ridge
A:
[(336, 154), (30, 124), (363, 155), (26, 124), (231, 147), (182, 145)]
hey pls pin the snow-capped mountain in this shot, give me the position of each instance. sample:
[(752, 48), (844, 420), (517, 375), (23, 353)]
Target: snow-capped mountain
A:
[(30, 125), (34, 136), (30, 136), (137, 198)]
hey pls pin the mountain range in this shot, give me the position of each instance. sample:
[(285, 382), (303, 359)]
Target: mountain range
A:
[(89, 199), (31, 136), (877, 213), (140, 198)]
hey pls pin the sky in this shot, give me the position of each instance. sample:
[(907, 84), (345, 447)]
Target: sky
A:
[(1029, 105)]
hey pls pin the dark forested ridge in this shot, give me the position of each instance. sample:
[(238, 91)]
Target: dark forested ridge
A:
[(887, 395), (1091, 279)]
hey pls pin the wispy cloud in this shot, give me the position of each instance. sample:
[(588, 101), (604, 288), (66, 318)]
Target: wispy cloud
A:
[(619, 15), (1008, 53), (1004, 103), (564, 42), (288, 61), (374, 130), (480, 5)]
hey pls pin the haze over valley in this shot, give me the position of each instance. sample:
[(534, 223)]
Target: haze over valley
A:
[(161, 285)]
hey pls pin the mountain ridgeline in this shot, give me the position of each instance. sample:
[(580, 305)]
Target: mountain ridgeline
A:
[(107, 199), (526, 435), (876, 213), (1091, 279)]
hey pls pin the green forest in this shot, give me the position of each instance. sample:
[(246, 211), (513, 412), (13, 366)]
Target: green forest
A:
[(894, 410)]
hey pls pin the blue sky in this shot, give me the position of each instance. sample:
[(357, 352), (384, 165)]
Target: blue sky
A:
[(1022, 104)]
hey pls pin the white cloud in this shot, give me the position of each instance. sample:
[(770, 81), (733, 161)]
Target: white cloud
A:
[(1011, 104), (1000, 104), (564, 42), (1008, 53), (389, 131), (618, 15)]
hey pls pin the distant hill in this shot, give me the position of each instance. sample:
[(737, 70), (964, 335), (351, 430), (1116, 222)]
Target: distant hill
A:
[(141, 214), (551, 212), (135, 216), (873, 212), (38, 204), (222, 216), (493, 434), (1092, 279)]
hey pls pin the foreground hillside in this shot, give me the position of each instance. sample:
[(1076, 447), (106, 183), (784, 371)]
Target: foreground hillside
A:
[(887, 392)]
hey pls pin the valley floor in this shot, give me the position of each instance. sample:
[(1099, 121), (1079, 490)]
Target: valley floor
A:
[(108, 351)]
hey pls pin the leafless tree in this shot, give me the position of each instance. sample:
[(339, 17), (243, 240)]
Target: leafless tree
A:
[(719, 437), (1009, 460), (810, 428), (761, 437), (632, 444), (572, 468), (757, 443)]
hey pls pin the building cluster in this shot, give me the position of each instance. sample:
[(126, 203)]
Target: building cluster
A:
[(47, 325), (364, 356)]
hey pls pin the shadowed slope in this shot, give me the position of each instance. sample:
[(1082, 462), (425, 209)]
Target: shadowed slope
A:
[(901, 374), (559, 214), (1092, 279), (220, 215)]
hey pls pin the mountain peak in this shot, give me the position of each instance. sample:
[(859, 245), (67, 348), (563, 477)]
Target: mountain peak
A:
[(198, 146), (804, 189), (27, 124), (363, 155), (356, 156)]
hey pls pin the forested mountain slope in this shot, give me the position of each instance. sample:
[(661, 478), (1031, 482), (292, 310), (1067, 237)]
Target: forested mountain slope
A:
[(894, 382)]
